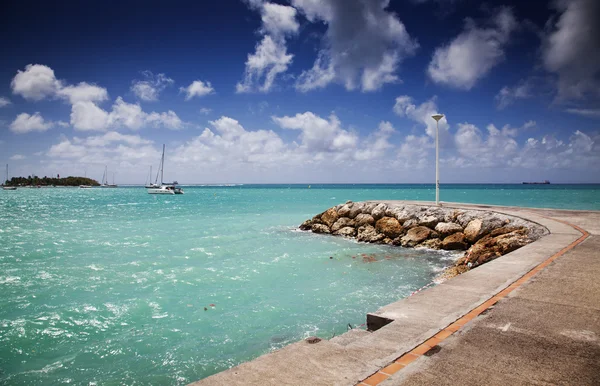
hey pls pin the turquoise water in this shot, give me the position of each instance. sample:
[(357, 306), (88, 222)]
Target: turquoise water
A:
[(110, 286)]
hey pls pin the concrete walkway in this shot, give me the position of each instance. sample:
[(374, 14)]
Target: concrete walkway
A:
[(545, 332), (521, 318)]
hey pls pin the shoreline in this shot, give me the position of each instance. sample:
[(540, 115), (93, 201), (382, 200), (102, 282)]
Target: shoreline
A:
[(356, 355)]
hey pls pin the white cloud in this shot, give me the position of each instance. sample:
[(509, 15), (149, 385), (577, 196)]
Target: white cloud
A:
[(110, 137), (4, 101), (228, 144), (270, 57), (473, 53), (590, 113), (35, 83), (17, 157), (87, 116), (571, 49), (507, 95), (205, 111), (319, 134), (83, 92), (150, 88), (405, 107), (496, 149), (362, 48), (25, 123), (197, 88)]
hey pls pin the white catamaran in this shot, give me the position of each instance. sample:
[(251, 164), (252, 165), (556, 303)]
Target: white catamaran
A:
[(4, 187), (164, 188)]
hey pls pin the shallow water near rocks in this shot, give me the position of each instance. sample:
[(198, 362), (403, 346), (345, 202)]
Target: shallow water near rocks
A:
[(117, 286)]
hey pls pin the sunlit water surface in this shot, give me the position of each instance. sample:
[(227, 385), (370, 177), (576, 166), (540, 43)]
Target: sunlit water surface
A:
[(115, 286)]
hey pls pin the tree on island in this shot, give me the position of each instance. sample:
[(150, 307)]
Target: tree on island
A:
[(50, 181)]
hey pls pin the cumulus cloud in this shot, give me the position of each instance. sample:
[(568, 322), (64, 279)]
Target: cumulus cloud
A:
[(270, 57), (4, 101), (319, 134), (197, 88), (151, 86), (498, 147), (205, 111), (362, 48), (87, 116), (473, 53), (38, 82), (571, 48), (26, 123), (83, 92), (507, 95), (35, 83), (17, 157)]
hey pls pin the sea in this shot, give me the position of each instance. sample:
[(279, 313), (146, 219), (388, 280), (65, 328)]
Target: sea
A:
[(119, 287)]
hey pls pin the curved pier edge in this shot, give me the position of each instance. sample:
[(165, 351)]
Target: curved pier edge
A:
[(407, 329)]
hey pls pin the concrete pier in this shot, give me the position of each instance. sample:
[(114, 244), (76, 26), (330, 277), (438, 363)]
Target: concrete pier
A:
[(531, 316)]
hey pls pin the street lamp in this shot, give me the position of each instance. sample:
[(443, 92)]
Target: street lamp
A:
[(437, 118)]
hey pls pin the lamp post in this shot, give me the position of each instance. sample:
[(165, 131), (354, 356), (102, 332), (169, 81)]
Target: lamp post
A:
[(437, 118)]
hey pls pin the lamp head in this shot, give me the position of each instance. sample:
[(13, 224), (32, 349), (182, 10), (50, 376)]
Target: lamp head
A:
[(437, 117)]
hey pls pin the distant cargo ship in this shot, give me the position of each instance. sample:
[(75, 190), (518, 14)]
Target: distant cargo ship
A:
[(545, 182)]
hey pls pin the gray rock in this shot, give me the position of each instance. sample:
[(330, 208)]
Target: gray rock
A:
[(431, 244), (379, 211), (428, 221), (346, 232), (344, 210), (415, 236), (368, 207), (320, 228), (306, 225), (410, 223), (364, 219), (355, 210), (341, 223), (447, 228), (369, 234)]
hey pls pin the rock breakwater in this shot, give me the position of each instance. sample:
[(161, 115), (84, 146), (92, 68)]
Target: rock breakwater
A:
[(483, 235)]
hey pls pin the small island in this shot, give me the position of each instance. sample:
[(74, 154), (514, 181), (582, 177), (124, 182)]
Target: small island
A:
[(34, 181)]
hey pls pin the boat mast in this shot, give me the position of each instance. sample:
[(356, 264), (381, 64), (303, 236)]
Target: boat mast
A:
[(162, 164), (6, 174)]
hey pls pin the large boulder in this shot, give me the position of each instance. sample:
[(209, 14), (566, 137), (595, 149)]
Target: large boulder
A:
[(329, 217), (368, 234), (415, 236), (346, 232), (379, 211), (355, 210), (389, 226), (306, 225), (344, 210), (477, 228), (364, 219), (320, 228), (455, 241), (341, 223), (368, 207), (474, 230), (489, 248), (410, 223), (428, 221), (447, 228)]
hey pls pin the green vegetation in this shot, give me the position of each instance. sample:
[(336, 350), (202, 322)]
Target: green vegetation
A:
[(49, 181)]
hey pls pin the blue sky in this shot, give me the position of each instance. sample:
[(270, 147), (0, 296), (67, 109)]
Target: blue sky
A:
[(302, 90)]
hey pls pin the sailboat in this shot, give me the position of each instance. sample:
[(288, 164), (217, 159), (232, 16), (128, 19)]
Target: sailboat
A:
[(149, 184), (105, 183), (4, 187), (164, 188)]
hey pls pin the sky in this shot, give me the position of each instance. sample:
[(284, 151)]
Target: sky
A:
[(302, 91)]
